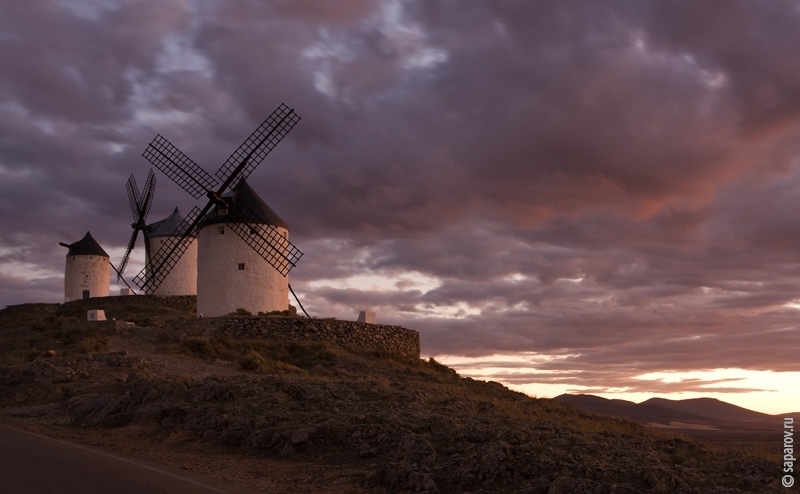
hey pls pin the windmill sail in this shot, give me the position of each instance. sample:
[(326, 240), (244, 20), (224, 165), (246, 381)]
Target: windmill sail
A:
[(140, 206), (259, 144), (161, 264), (179, 167), (197, 182)]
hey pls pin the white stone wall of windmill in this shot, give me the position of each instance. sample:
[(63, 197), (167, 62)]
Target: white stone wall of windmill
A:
[(243, 252), (182, 279), (87, 270), (232, 275)]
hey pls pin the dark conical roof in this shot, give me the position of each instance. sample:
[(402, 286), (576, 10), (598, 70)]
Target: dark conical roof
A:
[(165, 227), (245, 203), (87, 246)]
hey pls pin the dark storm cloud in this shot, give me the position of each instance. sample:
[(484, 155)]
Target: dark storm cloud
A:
[(750, 44), (67, 67), (613, 182), (64, 93)]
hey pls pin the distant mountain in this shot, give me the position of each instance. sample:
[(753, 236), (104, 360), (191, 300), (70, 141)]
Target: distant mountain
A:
[(711, 408), (706, 413), (641, 412), (592, 400)]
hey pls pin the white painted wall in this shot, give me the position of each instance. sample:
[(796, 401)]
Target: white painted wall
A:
[(86, 273), (182, 279), (222, 287)]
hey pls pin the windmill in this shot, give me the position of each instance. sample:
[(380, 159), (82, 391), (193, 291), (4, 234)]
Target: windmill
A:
[(86, 271), (182, 278), (270, 244), (140, 206)]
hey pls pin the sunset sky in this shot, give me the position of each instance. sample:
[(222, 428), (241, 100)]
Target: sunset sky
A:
[(583, 196)]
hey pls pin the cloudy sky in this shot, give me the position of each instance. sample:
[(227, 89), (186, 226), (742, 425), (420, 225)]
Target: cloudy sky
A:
[(576, 196)]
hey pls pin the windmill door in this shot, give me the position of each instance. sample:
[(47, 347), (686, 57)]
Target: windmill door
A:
[(85, 294)]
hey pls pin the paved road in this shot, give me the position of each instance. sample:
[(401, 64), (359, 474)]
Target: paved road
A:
[(34, 464)]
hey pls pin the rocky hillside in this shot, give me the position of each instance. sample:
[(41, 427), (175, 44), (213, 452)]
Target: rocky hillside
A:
[(359, 421)]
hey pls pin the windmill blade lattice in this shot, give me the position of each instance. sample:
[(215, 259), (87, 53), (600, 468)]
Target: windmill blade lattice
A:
[(124, 263), (270, 244), (134, 198), (147, 195), (197, 182), (170, 253), (179, 167), (260, 143), (140, 207)]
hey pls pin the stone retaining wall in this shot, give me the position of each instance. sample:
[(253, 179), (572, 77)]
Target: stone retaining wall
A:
[(394, 339)]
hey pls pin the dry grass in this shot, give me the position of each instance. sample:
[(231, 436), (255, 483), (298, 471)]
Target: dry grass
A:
[(439, 385), (763, 450), (255, 354), (320, 360), (29, 335), (142, 310), (30, 330)]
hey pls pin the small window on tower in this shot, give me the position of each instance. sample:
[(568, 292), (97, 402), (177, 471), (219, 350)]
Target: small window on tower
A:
[(221, 230), (241, 266)]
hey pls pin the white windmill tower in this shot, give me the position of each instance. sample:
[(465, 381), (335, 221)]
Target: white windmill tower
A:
[(230, 273), (182, 279), (87, 270), (242, 213)]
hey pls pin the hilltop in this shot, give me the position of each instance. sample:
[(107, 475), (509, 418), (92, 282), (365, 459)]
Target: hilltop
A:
[(292, 416)]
